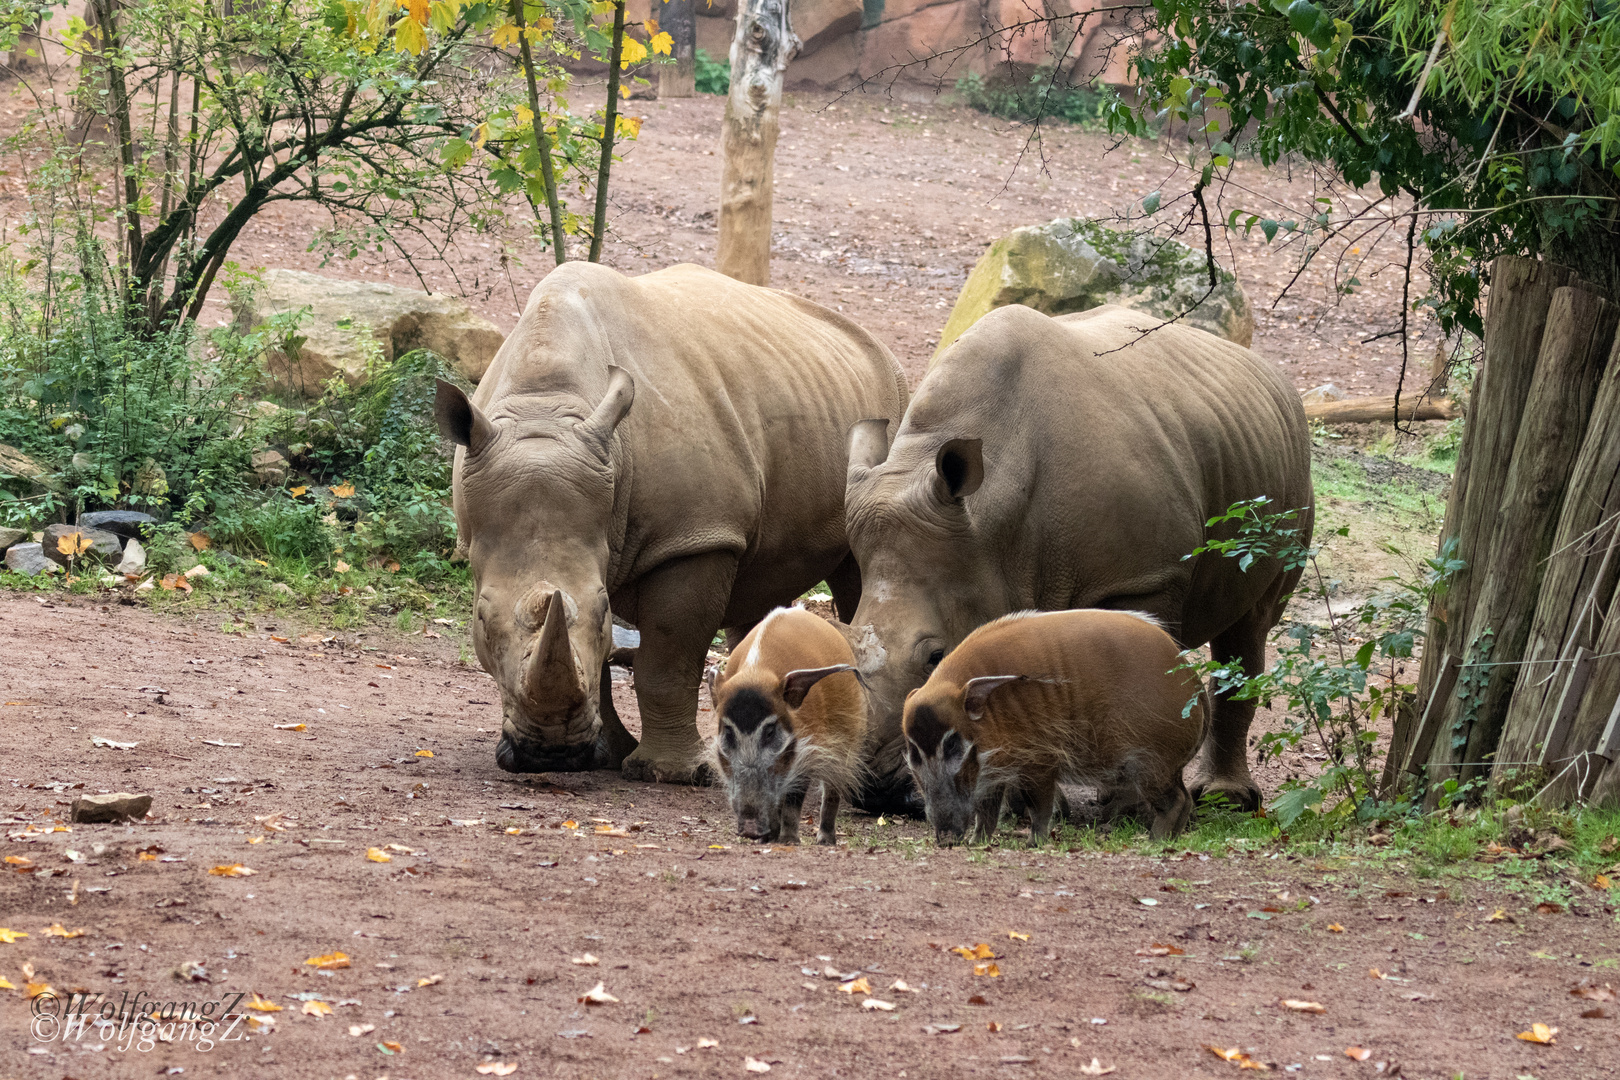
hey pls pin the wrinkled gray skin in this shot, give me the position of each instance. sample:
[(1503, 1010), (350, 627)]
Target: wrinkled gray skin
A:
[(1067, 463), (667, 448)]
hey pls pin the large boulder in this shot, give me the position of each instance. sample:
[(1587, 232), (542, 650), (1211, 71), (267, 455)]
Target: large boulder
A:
[(1074, 264), (28, 560), (11, 536), (124, 523), (340, 312)]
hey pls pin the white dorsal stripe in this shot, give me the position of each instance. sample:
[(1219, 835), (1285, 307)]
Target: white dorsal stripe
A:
[(759, 637)]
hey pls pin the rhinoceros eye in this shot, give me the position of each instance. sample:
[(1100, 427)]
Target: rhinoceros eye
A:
[(935, 657)]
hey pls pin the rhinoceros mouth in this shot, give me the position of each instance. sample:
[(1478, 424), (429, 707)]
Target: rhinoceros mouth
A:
[(517, 754)]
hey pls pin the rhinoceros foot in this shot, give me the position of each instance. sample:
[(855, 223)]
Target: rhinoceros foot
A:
[(896, 795), (653, 767), (1240, 791), (519, 755)]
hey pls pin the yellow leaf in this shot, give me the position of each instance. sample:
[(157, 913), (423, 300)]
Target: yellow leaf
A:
[(661, 43), (233, 870), (297, 491), (634, 52), (288, 727), (1539, 1033), (200, 541), (377, 854), (981, 951), (1304, 1006), (523, 116), (856, 986), (8, 937), (257, 1024), (341, 567), (36, 989), (147, 856), (345, 489), (504, 36), (261, 562), (496, 1068), (611, 830), (255, 839), (259, 1004), (58, 930), (417, 9), (21, 862), (316, 1008), (409, 37), (74, 544), (1499, 915), (424, 753), (1335, 928), (991, 970), (1016, 936), (628, 126), (1601, 881), (431, 980), (1357, 1053), (329, 962), (1237, 1057), (570, 825), (6, 984), (393, 1046), (598, 995), (651, 26)]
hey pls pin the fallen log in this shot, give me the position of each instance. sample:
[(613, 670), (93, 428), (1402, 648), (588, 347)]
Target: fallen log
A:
[(1370, 410)]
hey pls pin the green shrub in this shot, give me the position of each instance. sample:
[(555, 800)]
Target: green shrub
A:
[(713, 76), (1046, 96)]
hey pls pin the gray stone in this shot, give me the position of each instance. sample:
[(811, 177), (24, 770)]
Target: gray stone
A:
[(1321, 395), (343, 313), (104, 546), (270, 468), (11, 536), (1075, 264), (134, 560), (115, 807), (125, 523), (29, 560)]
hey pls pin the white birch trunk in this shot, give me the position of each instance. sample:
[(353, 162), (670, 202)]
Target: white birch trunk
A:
[(760, 51)]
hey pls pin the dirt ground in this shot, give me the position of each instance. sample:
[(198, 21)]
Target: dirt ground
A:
[(465, 948)]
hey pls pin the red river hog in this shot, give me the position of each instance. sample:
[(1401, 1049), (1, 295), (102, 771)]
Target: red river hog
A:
[(792, 713), (1089, 696)]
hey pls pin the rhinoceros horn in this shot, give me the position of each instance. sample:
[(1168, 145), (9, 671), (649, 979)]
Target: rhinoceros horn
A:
[(552, 679)]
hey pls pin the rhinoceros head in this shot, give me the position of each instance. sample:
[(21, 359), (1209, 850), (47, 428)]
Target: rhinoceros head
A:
[(534, 497), (926, 582)]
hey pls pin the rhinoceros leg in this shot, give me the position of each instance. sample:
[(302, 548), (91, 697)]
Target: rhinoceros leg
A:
[(845, 583), (1223, 765), (679, 608), (614, 744)]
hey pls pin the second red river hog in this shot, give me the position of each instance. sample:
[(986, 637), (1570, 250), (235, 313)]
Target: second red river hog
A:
[(792, 713), (1089, 696)]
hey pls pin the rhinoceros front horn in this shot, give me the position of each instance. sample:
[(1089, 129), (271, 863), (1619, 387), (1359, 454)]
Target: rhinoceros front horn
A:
[(552, 680)]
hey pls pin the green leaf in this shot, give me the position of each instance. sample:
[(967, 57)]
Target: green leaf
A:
[(1150, 202), (1268, 227), (1364, 655), (1292, 804), (1302, 16)]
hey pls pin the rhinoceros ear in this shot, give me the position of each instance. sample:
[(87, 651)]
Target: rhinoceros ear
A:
[(613, 407), (960, 464), (459, 419), (869, 443), (978, 691)]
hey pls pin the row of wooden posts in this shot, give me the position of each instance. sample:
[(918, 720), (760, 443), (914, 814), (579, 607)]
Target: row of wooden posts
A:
[(1520, 681)]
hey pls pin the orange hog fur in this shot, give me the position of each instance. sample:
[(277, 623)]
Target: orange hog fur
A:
[(791, 712), (1089, 696)]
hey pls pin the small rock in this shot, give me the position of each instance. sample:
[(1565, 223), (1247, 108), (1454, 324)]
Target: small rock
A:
[(1320, 395), (115, 807), (134, 560), (283, 588), (29, 560), (192, 971), (12, 536), (104, 546), (197, 571), (125, 523), (270, 468)]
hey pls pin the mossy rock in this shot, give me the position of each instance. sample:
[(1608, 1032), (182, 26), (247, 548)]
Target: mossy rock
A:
[(1074, 264)]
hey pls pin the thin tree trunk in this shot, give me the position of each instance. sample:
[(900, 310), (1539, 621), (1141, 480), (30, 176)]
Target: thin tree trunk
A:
[(760, 51), (679, 80), (542, 142), (610, 122), (1574, 348)]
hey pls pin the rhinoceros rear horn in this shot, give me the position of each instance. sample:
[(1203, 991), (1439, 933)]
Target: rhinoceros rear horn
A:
[(614, 406), (552, 678), (459, 419)]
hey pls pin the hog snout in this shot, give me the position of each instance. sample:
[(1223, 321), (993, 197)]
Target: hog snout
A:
[(751, 825), (948, 837)]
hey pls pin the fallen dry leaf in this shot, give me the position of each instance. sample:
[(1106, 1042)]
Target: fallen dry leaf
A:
[(611, 830), (587, 960), (341, 567), (1096, 1068), (424, 753), (343, 491), (200, 541), (358, 1030), (58, 930), (175, 581), (705, 1044), (430, 980), (900, 986), (10, 936), (1303, 1006), (232, 870), (1499, 916), (1157, 949), (856, 986), (1016, 936), (316, 1008), (1539, 1033), (21, 862), (7, 984), (989, 970), (257, 1024), (377, 854), (36, 989), (755, 1065), (496, 1068), (993, 1026), (570, 824), (1357, 1053), (1237, 1057), (1547, 907), (297, 491), (881, 1006), (598, 995), (1335, 928), (978, 999), (1592, 992), (391, 1047), (981, 951), (330, 962), (259, 1004)]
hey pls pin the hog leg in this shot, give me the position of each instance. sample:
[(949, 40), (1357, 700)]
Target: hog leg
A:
[(1172, 809), (826, 832), (792, 807), (1223, 766), (679, 608), (845, 583), (1041, 795), (987, 814)]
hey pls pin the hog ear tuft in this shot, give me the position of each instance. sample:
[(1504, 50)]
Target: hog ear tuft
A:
[(459, 419), (960, 467), (796, 684), (614, 407), (977, 692), (868, 444)]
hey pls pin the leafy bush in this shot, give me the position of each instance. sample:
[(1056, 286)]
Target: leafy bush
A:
[(713, 76), (1047, 95)]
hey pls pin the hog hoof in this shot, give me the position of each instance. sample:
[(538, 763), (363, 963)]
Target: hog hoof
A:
[(679, 769), (1240, 791), (829, 839), (519, 755)]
